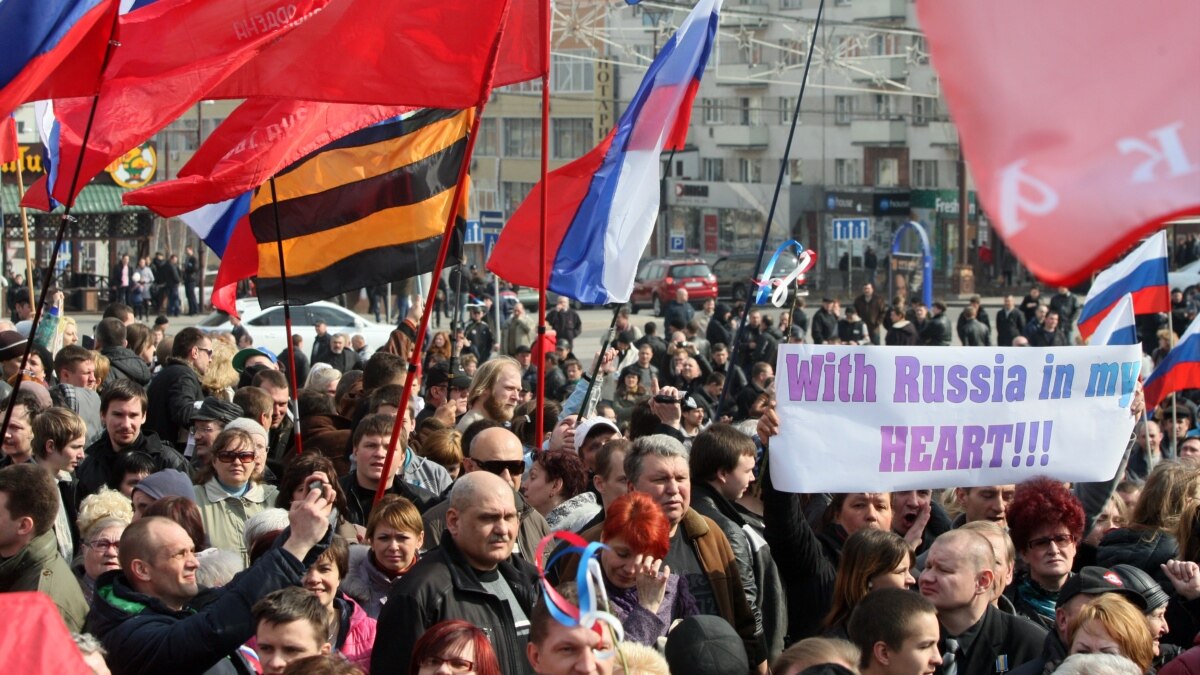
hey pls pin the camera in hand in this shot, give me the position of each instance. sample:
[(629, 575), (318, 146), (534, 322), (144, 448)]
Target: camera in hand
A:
[(665, 398)]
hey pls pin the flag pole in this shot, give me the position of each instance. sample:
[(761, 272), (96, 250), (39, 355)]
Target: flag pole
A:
[(62, 226), (287, 319), (539, 350), (762, 246), (25, 229), (1174, 397), (414, 359), (604, 345)]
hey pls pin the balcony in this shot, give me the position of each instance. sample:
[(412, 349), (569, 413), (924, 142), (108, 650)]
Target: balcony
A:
[(880, 68), (737, 136), (743, 74), (878, 132), (879, 10), (943, 134)]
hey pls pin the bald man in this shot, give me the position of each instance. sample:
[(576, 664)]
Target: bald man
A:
[(497, 451), (975, 636), (142, 613), (472, 576)]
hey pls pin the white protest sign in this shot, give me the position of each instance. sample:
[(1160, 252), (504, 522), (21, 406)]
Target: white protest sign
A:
[(878, 419)]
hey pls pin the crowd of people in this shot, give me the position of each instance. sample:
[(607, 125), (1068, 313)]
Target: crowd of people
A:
[(160, 487)]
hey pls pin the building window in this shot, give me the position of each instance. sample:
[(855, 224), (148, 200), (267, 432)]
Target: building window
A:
[(522, 137), (846, 172), (920, 109), (750, 111), (513, 193), (712, 169), (795, 171), (791, 4), (572, 137), (924, 173), (885, 107), (787, 105), (843, 109), (714, 113), (533, 86), (485, 200), (749, 170), (792, 52), (887, 172), (487, 145), (573, 72)]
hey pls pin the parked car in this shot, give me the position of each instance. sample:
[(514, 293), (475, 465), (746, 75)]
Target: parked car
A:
[(267, 327), (657, 280), (1182, 278), (736, 273)]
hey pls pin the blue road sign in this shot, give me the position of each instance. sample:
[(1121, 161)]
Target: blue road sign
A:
[(678, 243), (851, 229), (489, 243), (474, 233)]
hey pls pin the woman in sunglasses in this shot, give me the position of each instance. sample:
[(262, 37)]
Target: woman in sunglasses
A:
[(227, 494), (1045, 520)]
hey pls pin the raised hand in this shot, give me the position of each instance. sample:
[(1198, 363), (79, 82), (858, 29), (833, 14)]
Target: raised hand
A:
[(652, 577)]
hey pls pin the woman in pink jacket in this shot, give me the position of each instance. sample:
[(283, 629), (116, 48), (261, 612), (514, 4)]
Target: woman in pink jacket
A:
[(356, 630)]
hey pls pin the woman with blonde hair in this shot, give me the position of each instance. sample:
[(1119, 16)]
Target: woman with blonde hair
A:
[(102, 518), (1148, 541), (1110, 624), (444, 447), (814, 652), (871, 559), (220, 379), (68, 330), (323, 379)]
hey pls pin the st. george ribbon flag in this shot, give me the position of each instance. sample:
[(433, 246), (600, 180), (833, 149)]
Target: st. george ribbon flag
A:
[(1073, 168), (602, 207), (1141, 274)]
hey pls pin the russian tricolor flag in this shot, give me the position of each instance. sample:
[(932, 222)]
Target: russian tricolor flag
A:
[(1142, 274), (1179, 370), (225, 228), (1117, 327), (602, 206)]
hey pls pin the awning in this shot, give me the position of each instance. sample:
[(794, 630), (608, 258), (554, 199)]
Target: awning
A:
[(94, 199)]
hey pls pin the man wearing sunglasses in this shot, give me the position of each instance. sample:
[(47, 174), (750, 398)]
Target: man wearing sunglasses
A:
[(497, 451), (175, 389)]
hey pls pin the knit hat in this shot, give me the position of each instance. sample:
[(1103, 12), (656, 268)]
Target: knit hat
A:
[(215, 409), (167, 483), (249, 426), (706, 645)]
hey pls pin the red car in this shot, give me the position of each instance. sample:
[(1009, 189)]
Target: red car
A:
[(657, 281)]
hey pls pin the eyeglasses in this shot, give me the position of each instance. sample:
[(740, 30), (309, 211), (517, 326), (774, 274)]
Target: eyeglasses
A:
[(231, 457), (103, 544), (456, 664), (498, 466), (1059, 540), (208, 351)]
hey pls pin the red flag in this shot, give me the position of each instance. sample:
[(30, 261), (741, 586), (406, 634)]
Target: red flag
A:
[(9, 152), (239, 262), (171, 54), (396, 52), (1073, 166), (259, 139)]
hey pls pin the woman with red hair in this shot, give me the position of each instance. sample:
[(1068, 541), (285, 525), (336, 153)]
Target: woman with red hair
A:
[(644, 594), (1046, 523), (453, 647)]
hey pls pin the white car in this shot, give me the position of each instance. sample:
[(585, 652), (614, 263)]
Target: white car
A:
[(267, 327), (1188, 275)]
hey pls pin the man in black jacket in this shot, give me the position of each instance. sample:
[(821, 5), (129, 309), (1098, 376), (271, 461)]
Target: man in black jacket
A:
[(472, 576), (124, 364), (122, 409), (174, 391), (371, 437), (937, 329), (722, 464), (825, 322), (142, 612), (977, 638), (1010, 322)]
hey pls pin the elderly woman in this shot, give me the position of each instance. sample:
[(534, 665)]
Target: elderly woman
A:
[(1110, 624), (557, 488), (324, 380), (102, 519), (227, 493), (395, 535), (1046, 521), (645, 595)]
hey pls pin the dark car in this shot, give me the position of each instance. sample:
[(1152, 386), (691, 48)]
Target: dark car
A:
[(658, 280), (736, 274)]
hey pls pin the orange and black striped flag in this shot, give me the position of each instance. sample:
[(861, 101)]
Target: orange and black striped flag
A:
[(365, 210)]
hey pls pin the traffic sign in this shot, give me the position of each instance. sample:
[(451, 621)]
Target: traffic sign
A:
[(474, 233), (491, 219), (678, 243), (851, 229), (489, 243)]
